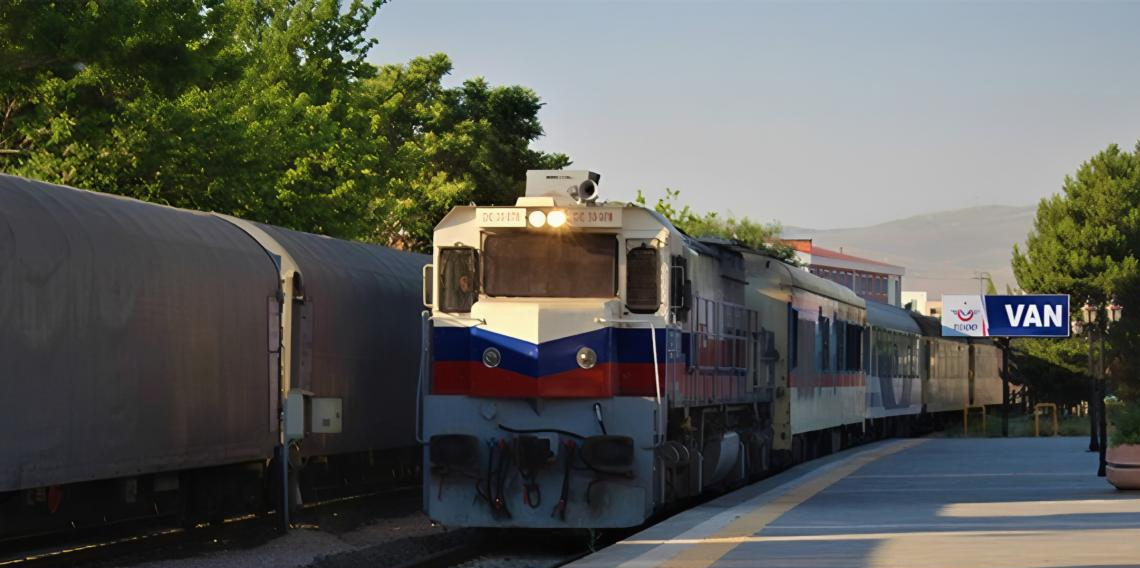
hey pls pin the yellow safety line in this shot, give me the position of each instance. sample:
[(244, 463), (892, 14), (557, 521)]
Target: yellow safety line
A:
[(844, 537), (705, 552)]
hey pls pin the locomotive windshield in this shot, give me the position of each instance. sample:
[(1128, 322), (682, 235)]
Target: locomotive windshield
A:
[(564, 265)]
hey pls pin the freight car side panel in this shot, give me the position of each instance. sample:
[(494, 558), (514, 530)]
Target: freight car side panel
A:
[(125, 338), (359, 335)]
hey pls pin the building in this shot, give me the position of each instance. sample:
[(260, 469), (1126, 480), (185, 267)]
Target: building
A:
[(934, 308), (869, 279), (919, 302), (914, 300)]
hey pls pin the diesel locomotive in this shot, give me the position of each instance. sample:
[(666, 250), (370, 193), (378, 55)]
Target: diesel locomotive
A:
[(587, 364)]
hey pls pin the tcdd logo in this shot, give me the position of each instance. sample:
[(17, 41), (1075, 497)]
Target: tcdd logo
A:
[(965, 315), (964, 325)]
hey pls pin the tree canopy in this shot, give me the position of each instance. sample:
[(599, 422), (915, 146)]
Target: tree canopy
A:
[(263, 109), (1086, 243), (765, 238)]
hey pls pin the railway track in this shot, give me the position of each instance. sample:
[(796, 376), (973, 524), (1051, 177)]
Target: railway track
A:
[(159, 537), (478, 557)]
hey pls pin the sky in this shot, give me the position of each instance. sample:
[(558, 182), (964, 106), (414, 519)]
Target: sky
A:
[(812, 114)]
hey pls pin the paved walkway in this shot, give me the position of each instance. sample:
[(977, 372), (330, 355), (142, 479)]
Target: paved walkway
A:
[(1004, 503)]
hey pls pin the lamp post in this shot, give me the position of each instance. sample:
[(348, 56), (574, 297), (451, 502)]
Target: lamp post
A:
[(1113, 310), (1095, 332), (1094, 440)]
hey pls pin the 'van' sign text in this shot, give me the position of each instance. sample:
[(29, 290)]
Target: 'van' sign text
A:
[(1043, 315)]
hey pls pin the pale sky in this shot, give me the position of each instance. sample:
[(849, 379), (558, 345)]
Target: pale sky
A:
[(813, 114)]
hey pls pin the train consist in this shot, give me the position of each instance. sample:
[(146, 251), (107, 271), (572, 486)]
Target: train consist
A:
[(591, 364), (584, 365), (151, 354)]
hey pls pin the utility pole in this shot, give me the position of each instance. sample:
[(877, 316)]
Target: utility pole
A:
[(981, 277)]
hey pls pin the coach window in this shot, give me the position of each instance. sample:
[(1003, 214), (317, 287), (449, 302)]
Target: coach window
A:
[(794, 330), (458, 279), (840, 347), (642, 280), (824, 344)]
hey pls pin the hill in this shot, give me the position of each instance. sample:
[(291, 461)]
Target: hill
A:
[(941, 251)]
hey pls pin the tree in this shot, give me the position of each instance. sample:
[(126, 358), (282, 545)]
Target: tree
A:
[(441, 147), (990, 288), (263, 109), (764, 238), (1086, 242)]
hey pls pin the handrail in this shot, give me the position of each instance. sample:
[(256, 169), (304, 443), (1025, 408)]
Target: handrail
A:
[(657, 385), (656, 370), (478, 321), (425, 360)]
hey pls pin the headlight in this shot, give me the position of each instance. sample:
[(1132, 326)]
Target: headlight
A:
[(492, 357), (556, 218), (587, 358), (537, 219)]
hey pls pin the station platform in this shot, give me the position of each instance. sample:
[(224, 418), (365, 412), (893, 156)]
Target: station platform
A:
[(930, 502)]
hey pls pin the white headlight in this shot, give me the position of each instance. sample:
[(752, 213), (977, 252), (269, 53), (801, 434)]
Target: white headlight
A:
[(587, 358), (556, 218), (537, 219)]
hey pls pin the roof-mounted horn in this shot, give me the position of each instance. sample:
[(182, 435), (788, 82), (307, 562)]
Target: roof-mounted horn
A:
[(579, 185)]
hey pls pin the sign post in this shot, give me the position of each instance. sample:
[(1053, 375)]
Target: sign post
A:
[(1042, 315)]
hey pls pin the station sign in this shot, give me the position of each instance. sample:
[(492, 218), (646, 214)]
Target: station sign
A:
[(1041, 315)]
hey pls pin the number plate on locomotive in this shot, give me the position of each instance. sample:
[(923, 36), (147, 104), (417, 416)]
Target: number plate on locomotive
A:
[(501, 216), (593, 217)]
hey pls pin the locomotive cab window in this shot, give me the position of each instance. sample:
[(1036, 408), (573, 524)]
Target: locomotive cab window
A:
[(539, 265), (458, 279), (642, 282)]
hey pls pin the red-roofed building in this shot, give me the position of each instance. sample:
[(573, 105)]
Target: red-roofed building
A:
[(869, 279)]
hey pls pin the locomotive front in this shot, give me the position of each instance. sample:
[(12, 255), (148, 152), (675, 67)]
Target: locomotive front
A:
[(549, 351)]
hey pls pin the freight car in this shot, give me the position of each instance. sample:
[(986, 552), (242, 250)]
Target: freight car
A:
[(592, 365), (148, 353)]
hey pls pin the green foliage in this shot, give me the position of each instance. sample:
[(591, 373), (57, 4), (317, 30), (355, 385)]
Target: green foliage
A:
[(1053, 368), (1125, 420), (761, 237), (263, 109), (1086, 242)]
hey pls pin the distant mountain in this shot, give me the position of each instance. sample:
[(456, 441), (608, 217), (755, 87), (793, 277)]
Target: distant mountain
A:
[(941, 251)]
